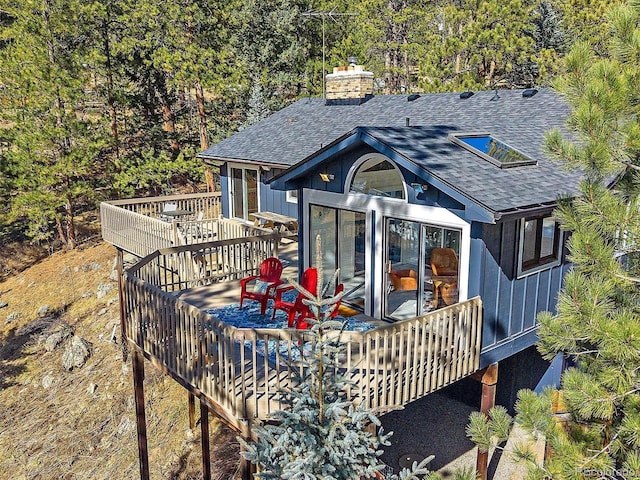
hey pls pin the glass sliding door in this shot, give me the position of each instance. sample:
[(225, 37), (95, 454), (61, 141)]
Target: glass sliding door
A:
[(402, 269), (342, 234), (244, 192), (352, 254), (421, 268)]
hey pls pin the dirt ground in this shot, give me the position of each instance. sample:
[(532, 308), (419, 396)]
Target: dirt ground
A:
[(62, 424)]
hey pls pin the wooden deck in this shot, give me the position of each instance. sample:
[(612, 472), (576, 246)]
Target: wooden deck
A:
[(140, 225), (241, 371)]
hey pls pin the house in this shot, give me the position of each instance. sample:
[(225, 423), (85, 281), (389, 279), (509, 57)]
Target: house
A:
[(386, 179), (438, 210)]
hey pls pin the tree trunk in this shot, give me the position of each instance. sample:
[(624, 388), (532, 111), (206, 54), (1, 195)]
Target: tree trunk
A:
[(111, 101), (169, 126), (71, 225), (204, 135), (61, 235), (202, 117)]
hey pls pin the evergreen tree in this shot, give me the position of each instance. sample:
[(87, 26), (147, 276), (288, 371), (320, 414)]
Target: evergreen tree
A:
[(321, 435), (54, 160), (275, 43), (597, 325)]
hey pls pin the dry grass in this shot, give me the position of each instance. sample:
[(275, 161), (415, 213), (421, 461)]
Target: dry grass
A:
[(82, 425)]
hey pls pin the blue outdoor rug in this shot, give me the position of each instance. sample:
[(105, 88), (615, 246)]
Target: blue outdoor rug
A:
[(249, 315)]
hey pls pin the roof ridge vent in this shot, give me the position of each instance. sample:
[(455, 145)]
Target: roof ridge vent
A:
[(412, 97), (467, 94), (529, 92)]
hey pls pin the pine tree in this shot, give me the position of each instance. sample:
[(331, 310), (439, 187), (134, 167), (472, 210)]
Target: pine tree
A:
[(54, 161), (321, 435), (597, 324)]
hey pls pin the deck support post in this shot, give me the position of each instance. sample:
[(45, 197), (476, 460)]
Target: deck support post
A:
[(192, 411), (204, 433), (247, 469), (123, 324), (489, 379), (137, 363)]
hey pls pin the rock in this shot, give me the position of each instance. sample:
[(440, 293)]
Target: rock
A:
[(76, 353), (3, 304), (102, 311), (87, 294), (91, 389), (111, 301), (45, 311), (47, 381), (126, 425), (12, 316), (104, 289), (56, 338), (114, 270)]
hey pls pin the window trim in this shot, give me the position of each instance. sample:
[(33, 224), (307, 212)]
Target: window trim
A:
[(545, 263)]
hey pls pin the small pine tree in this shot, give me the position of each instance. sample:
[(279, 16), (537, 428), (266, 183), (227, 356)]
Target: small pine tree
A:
[(322, 435)]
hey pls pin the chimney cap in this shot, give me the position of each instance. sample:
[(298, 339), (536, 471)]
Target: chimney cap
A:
[(353, 61)]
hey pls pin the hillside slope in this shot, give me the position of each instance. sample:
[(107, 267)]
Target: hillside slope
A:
[(66, 424)]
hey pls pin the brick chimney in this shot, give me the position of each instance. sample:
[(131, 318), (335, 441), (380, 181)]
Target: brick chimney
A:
[(349, 85)]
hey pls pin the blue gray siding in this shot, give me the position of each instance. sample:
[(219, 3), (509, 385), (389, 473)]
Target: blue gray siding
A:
[(511, 304)]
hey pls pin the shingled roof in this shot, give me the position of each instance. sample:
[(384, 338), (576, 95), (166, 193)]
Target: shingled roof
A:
[(297, 133)]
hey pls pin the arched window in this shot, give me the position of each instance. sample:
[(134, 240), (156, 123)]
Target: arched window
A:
[(378, 176)]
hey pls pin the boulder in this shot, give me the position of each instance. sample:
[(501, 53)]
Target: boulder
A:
[(104, 289), (76, 353), (56, 338)]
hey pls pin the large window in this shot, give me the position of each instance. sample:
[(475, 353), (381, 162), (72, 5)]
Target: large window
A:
[(539, 244), (422, 268), (379, 177), (342, 234)]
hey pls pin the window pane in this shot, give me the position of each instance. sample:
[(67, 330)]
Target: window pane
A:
[(237, 193), (403, 256), (352, 255), (323, 223), (548, 243), (252, 191), (529, 241), (378, 177), (441, 269)]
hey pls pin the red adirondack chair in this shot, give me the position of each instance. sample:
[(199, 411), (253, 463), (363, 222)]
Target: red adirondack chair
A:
[(301, 322), (309, 282), (265, 284)]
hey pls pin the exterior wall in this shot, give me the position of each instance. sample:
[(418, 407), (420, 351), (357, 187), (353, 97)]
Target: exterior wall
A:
[(511, 304), (270, 200)]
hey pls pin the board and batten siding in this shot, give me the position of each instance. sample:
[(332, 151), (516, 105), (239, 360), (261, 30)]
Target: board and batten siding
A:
[(511, 304)]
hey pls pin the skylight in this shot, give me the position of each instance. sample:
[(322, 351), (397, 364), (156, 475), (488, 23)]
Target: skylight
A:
[(491, 149)]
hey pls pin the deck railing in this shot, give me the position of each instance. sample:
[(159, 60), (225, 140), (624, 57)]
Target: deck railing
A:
[(137, 226), (209, 203), (243, 370)]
